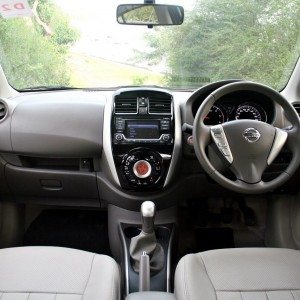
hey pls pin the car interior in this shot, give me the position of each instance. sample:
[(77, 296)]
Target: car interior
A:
[(144, 191)]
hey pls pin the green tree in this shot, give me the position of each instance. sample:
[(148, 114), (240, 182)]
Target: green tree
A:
[(33, 51), (221, 39)]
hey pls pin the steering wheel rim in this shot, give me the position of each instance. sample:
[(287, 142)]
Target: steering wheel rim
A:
[(272, 140)]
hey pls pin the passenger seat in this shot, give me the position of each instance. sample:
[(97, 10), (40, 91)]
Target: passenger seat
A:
[(46, 273)]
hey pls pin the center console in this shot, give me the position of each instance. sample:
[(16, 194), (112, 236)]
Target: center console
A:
[(142, 135)]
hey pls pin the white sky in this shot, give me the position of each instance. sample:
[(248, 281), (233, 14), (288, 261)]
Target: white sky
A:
[(101, 35)]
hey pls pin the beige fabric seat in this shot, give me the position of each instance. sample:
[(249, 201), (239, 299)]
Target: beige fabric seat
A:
[(236, 274), (46, 273)]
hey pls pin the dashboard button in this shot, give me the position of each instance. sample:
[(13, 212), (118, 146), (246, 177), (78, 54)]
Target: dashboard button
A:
[(142, 169), (142, 110), (166, 137), (118, 137)]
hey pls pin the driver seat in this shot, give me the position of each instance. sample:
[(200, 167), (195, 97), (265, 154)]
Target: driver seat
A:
[(239, 274)]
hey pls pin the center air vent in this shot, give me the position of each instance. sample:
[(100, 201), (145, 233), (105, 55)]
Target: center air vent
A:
[(125, 105), (297, 107), (3, 109), (160, 104)]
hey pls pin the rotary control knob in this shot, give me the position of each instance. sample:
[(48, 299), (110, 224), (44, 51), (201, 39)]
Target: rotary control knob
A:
[(142, 169), (166, 137), (118, 137)]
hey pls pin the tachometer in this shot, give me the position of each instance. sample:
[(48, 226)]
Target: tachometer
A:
[(215, 116), (247, 111)]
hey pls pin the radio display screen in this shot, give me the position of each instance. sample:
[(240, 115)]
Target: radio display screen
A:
[(142, 129)]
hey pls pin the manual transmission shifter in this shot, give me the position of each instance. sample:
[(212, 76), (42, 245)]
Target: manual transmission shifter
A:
[(148, 214), (146, 241)]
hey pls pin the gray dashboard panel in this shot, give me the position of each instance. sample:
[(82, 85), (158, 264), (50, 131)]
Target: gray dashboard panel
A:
[(65, 124)]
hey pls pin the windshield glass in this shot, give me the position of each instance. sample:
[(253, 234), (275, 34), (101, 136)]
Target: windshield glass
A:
[(80, 44)]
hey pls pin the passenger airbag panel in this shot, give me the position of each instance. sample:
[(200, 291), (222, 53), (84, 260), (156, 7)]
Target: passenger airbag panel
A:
[(62, 125)]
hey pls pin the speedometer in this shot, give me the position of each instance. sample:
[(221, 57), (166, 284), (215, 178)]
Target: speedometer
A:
[(215, 116), (246, 111)]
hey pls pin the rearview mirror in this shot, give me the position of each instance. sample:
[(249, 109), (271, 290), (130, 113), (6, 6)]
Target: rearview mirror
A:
[(150, 14)]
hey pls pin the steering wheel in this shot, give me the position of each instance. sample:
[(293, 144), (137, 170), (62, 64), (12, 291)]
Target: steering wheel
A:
[(247, 146)]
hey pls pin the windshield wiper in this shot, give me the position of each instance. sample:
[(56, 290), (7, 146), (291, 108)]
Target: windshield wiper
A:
[(47, 88), (59, 87)]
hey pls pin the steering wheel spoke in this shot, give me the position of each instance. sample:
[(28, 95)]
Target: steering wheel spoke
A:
[(249, 174), (219, 137), (279, 141)]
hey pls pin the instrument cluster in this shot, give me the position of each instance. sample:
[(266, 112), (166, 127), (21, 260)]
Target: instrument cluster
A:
[(229, 111)]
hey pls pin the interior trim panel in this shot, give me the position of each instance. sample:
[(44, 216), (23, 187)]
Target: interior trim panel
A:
[(67, 124)]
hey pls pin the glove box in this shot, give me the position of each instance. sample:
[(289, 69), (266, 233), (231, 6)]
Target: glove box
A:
[(52, 185)]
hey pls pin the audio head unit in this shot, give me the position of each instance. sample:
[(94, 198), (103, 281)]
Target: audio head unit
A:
[(132, 131)]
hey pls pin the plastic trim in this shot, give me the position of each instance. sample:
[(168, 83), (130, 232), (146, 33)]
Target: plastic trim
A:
[(107, 147), (177, 144)]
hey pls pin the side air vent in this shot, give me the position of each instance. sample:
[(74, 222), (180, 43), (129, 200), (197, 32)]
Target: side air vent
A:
[(297, 107), (160, 105), (125, 105), (3, 109)]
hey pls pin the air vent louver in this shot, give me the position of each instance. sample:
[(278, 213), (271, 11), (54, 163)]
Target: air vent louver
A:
[(3, 110), (125, 105), (160, 105), (297, 107)]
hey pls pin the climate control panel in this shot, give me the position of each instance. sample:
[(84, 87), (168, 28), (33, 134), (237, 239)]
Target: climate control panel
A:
[(142, 167)]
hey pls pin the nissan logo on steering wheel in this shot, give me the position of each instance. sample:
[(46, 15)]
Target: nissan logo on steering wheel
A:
[(251, 135)]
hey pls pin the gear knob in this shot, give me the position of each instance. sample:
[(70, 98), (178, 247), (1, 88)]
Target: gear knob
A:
[(148, 215)]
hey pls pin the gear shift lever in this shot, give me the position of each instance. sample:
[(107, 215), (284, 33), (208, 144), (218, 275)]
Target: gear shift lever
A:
[(148, 214), (146, 241)]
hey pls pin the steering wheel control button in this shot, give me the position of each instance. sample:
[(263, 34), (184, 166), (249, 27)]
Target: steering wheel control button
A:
[(219, 138), (142, 169), (225, 151), (216, 130), (251, 135)]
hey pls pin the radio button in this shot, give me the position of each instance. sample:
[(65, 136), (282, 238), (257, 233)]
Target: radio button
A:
[(165, 124), (120, 124)]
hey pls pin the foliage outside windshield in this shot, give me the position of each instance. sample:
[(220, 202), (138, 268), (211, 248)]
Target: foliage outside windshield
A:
[(80, 44)]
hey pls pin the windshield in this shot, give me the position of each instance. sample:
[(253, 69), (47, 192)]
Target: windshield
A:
[(80, 44)]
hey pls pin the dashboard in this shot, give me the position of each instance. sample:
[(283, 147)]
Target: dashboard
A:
[(92, 148)]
